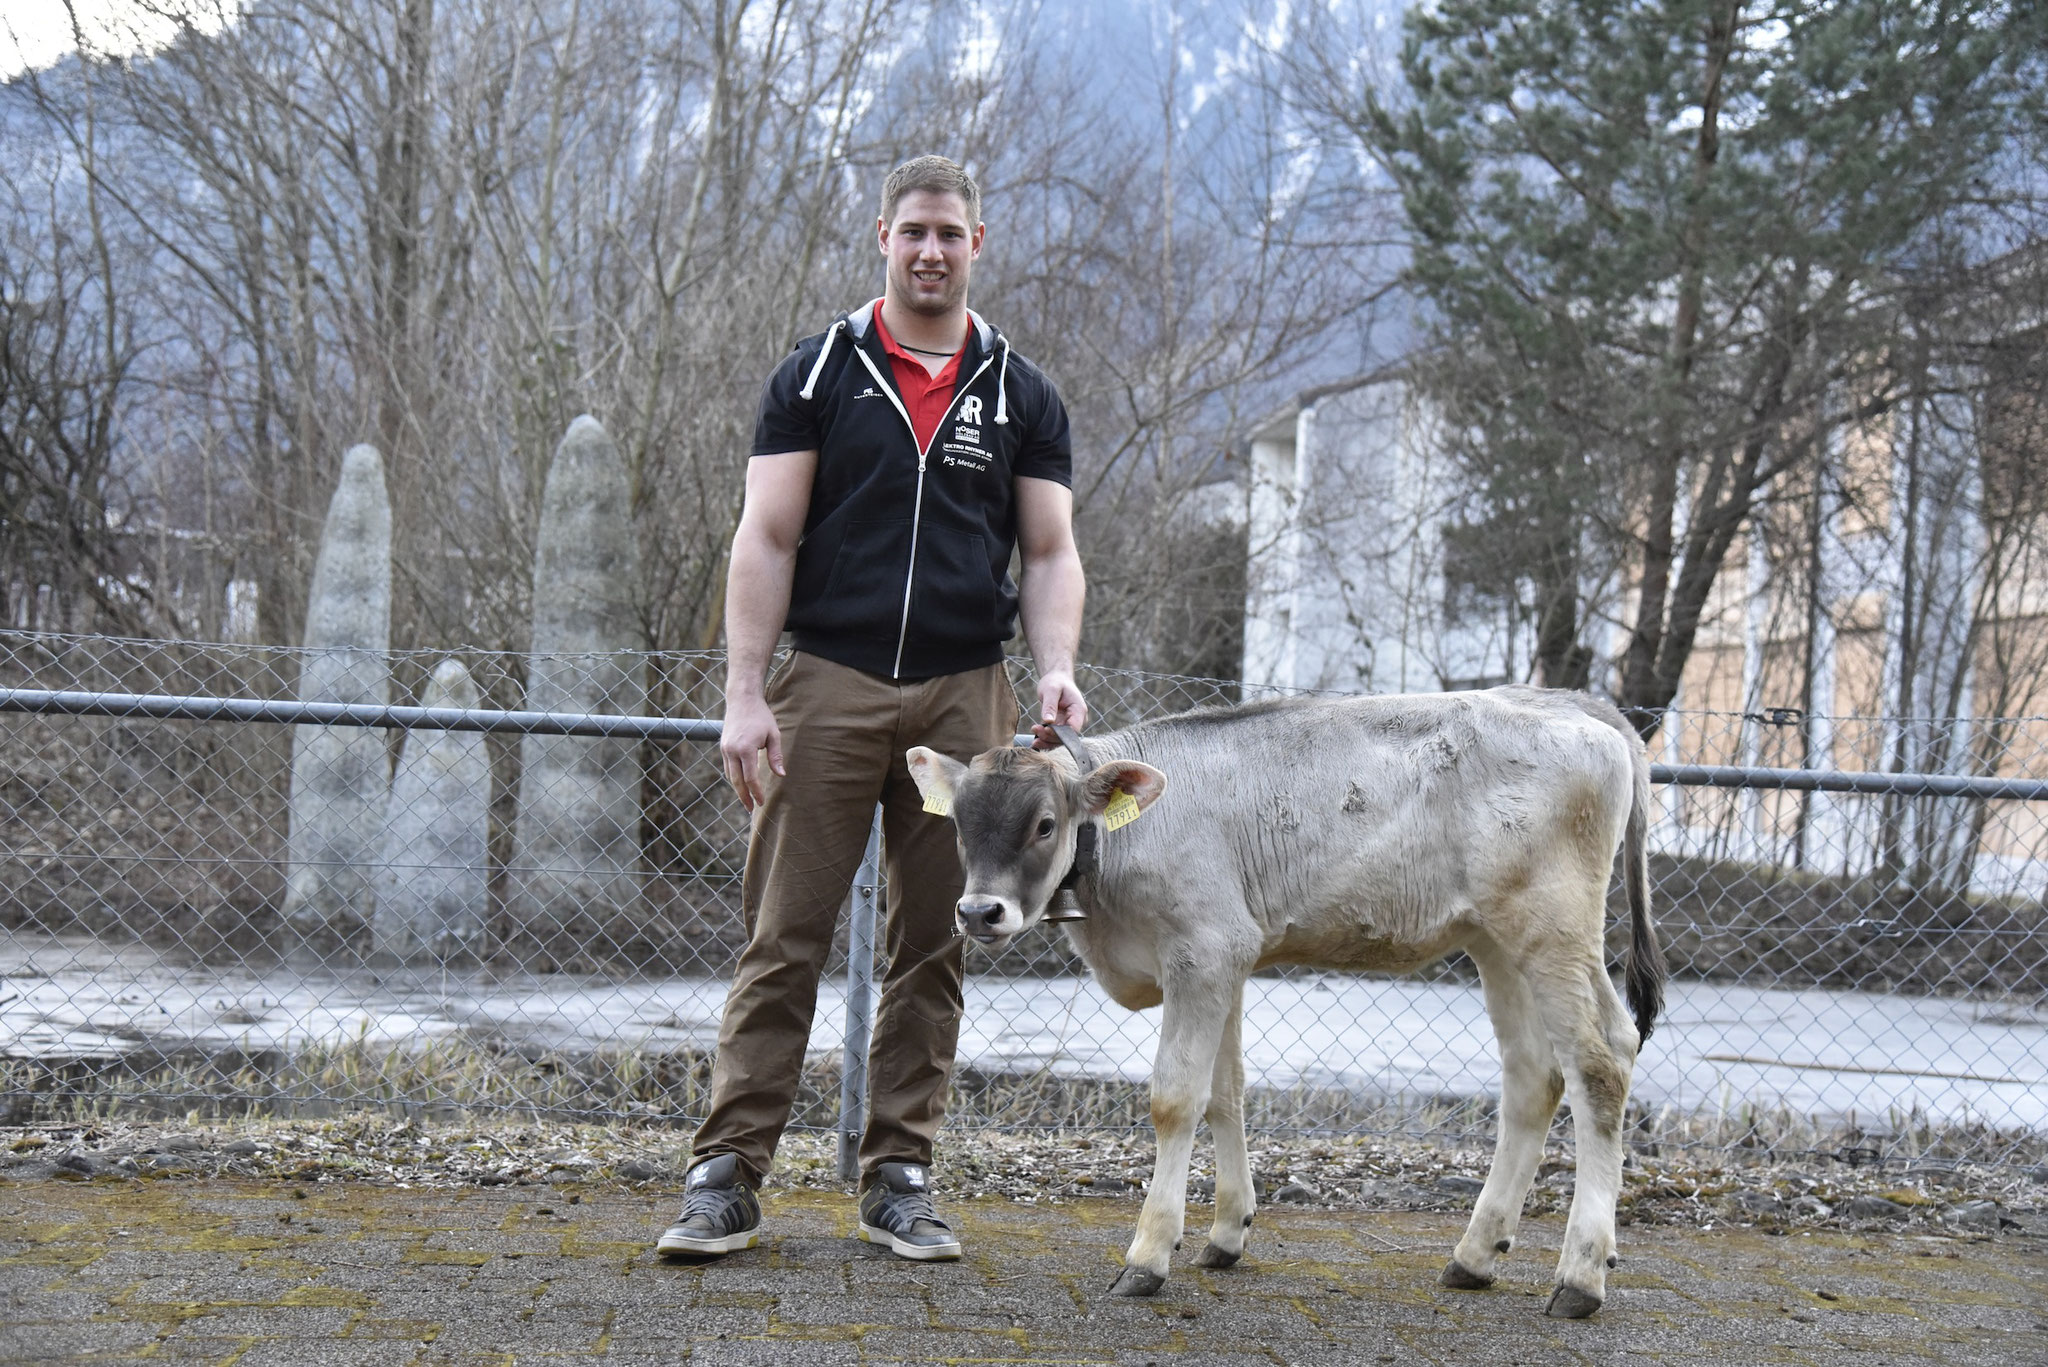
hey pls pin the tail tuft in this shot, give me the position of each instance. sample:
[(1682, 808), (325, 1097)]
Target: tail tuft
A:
[(1645, 973)]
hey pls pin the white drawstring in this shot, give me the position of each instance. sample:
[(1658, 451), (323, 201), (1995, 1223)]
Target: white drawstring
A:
[(826, 350), (1002, 373)]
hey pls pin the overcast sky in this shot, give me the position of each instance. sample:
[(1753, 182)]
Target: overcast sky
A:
[(37, 33)]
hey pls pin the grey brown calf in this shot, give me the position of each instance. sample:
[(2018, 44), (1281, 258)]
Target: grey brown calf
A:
[(1359, 833)]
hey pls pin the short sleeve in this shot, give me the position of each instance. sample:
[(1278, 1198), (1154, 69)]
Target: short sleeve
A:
[(787, 421), (1048, 449)]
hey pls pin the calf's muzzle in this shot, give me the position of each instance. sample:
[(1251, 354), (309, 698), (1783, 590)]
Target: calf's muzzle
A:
[(980, 917)]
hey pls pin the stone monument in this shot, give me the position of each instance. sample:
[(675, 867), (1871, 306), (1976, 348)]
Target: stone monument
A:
[(432, 876), (340, 773), (574, 880)]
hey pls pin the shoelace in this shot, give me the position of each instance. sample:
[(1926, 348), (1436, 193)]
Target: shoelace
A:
[(905, 1208), (716, 1204)]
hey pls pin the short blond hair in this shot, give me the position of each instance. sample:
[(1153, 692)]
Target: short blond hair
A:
[(939, 175)]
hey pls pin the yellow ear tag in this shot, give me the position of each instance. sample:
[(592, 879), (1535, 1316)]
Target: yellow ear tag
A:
[(938, 805), (1122, 810)]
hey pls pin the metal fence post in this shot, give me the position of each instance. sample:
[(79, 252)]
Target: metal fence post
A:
[(860, 1004)]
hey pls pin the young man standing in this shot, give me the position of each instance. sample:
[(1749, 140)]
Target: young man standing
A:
[(899, 457)]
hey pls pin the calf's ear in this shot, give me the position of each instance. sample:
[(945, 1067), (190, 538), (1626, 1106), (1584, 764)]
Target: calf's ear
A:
[(1141, 781), (935, 776)]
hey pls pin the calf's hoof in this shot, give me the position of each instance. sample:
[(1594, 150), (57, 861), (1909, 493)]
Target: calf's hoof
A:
[(1136, 1281), (1459, 1277), (1212, 1256), (1570, 1303)]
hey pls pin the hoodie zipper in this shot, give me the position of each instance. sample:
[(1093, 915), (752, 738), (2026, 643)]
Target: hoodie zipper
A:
[(923, 449)]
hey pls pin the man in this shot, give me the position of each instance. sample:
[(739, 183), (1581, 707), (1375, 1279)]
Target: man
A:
[(899, 457)]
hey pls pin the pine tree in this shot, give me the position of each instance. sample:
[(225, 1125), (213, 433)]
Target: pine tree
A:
[(1658, 246)]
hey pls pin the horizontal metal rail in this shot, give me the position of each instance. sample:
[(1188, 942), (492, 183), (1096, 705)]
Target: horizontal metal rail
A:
[(173, 707), (286, 711), (1844, 781)]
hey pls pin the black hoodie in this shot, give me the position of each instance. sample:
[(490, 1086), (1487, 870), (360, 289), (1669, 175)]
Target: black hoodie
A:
[(904, 567)]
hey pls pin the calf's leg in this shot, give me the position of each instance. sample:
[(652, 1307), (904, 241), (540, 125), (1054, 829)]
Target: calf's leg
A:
[(1530, 1089), (1596, 1048), (1235, 1199), (1189, 1033)]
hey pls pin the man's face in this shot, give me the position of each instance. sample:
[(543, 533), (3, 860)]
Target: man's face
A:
[(931, 247)]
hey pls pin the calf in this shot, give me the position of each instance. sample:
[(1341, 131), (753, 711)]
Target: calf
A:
[(1374, 833)]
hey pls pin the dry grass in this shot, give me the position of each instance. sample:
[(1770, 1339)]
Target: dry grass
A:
[(463, 1078)]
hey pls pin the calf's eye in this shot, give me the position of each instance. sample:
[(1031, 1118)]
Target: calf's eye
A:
[(1045, 828)]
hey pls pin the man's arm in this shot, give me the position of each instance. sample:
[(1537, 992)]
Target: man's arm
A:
[(1049, 600), (756, 602)]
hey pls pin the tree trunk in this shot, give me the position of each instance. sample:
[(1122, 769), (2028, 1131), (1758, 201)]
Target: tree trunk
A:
[(1645, 689)]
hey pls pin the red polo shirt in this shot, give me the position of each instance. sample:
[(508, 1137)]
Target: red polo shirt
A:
[(926, 396)]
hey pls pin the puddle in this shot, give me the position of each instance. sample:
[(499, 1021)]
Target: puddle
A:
[(1818, 1053)]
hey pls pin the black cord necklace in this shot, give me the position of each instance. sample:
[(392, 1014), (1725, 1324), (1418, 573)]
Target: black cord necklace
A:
[(922, 352)]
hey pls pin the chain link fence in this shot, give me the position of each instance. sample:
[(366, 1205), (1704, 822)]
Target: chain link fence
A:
[(214, 914)]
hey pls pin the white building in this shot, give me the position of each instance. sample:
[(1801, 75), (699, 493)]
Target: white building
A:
[(1349, 495), (1345, 589)]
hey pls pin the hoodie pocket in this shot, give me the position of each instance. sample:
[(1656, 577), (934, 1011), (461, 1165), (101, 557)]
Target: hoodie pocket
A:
[(863, 594), (954, 596)]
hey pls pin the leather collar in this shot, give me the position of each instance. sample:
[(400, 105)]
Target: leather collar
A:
[(1085, 863)]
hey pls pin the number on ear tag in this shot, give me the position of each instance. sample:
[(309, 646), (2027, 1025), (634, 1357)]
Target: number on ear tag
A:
[(1122, 810), (938, 805)]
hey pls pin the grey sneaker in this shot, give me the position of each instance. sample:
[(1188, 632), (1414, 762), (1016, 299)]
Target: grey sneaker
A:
[(897, 1210), (720, 1214)]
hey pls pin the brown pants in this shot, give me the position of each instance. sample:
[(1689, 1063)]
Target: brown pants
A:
[(843, 737)]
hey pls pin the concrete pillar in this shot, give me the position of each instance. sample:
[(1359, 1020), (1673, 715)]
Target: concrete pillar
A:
[(575, 881), (340, 773), (432, 894)]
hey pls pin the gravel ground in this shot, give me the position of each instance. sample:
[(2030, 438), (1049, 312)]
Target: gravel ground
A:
[(1701, 1190)]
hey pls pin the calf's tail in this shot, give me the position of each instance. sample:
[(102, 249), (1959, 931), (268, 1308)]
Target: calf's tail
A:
[(1645, 973)]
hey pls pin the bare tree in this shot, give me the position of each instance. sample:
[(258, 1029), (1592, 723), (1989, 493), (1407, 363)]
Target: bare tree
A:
[(450, 227), (68, 354)]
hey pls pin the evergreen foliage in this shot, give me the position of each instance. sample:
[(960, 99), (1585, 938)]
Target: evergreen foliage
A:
[(1661, 248)]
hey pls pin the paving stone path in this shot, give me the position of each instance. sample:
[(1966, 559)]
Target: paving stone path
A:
[(256, 1273)]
